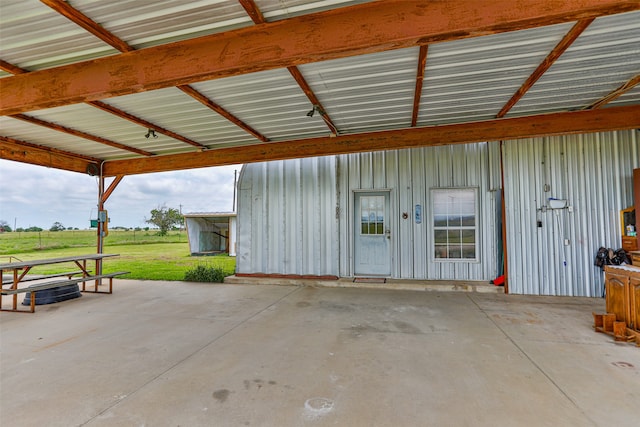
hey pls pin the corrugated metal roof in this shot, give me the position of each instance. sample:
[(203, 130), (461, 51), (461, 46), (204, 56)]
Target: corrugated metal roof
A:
[(605, 56), (465, 80)]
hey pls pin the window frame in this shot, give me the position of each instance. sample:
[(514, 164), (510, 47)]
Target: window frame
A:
[(461, 228)]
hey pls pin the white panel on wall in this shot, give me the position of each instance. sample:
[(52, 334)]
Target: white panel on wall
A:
[(287, 218)]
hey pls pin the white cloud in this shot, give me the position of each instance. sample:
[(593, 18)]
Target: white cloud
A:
[(38, 196)]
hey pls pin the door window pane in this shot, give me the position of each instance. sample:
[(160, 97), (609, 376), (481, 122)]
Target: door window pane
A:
[(372, 215)]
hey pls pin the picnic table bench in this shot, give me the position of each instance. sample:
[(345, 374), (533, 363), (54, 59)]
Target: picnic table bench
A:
[(20, 269)]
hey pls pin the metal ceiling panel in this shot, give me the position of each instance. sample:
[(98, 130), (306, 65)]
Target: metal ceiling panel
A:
[(35, 37), (367, 92), (472, 79), (271, 102), (144, 23), (605, 56), (113, 128), (35, 134), (176, 111), (274, 10)]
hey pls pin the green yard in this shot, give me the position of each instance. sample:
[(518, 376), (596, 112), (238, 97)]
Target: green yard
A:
[(146, 255)]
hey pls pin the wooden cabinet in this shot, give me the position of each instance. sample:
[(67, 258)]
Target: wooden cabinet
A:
[(636, 198), (635, 258), (622, 284), (628, 218)]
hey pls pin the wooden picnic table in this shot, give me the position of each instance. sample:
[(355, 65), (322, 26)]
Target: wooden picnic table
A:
[(20, 269)]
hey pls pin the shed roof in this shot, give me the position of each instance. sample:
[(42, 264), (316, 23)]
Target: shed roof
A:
[(236, 81)]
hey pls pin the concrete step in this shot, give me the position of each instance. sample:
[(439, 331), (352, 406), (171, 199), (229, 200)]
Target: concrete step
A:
[(372, 283)]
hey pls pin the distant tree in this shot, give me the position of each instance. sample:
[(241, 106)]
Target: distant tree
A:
[(164, 218), (4, 226), (33, 228), (57, 227)]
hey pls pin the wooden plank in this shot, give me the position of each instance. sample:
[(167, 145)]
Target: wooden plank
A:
[(422, 63), (309, 38), (26, 152), (80, 134), (576, 122)]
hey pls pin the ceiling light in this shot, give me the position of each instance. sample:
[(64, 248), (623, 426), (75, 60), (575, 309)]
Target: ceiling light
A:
[(316, 108)]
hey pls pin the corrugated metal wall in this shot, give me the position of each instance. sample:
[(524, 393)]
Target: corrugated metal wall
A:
[(594, 172), (410, 174), (287, 218)]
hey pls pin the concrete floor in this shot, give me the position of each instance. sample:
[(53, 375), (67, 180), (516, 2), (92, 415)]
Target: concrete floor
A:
[(187, 354)]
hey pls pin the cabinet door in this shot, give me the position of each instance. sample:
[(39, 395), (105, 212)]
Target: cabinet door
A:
[(634, 300), (617, 296)]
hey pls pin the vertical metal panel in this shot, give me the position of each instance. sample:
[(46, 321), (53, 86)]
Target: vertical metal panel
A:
[(410, 174), (594, 173), (287, 218)]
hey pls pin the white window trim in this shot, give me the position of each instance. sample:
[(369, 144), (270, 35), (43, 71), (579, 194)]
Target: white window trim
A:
[(476, 227)]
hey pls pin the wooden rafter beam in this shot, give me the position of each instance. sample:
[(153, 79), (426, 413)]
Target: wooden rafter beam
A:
[(601, 120), (317, 105), (257, 17), (10, 68), (142, 122), (79, 134), (97, 30), (309, 38), (106, 36), (17, 70), (223, 112), (422, 63), (550, 59), (619, 91), (74, 15), (253, 11), (26, 152)]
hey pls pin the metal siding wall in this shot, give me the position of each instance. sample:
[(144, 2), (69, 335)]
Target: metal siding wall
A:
[(286, 218), (410, 174), (594, 173)]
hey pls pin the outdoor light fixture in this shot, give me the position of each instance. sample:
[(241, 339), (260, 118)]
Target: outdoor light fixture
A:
[(152, 133), (315, 108)]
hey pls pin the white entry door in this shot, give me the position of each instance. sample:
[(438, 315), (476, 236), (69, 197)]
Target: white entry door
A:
[(372, 240)]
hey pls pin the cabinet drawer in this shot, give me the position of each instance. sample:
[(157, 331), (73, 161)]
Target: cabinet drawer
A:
[(629, 244)]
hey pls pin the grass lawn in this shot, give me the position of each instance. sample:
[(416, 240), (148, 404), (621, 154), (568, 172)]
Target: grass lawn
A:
[(146, 255)]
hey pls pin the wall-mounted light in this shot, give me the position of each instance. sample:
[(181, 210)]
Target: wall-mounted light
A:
[(151, 133)]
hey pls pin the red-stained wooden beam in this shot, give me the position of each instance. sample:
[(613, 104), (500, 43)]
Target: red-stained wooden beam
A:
[(137, 120), (224, 113), (111, 188), (317, 105), (253, 11), (97, 30), (80, 134), (322, 36), (26, 152), (586, 121), (10, 68), (256, 16), (619, 91), (82, 20), (422, 62), (551, 58)]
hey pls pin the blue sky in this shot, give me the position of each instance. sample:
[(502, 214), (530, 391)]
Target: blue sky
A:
[(39, 196)]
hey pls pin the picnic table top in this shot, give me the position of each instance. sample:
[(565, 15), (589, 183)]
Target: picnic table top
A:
[(33, 263)]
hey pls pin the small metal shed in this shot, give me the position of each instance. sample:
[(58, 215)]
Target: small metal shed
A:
[(211, 233)]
